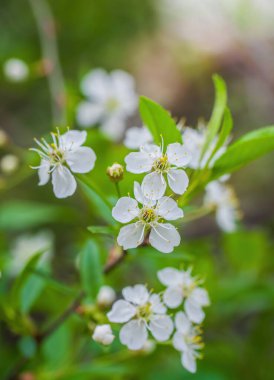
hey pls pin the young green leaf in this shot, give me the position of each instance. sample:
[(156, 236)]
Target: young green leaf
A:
[(90, 269), (249, 147), (100, 230), (159, 122)]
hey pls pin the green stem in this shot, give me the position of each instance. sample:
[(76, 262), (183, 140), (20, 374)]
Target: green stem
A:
[(117, 187)]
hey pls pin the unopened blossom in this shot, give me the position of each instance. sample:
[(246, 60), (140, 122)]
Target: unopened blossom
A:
[(141, 312), (195, 140), (188, 341), (106, 296), (16, 70), (159, 164), (135, 137), (9, 163), (64, 156), (148, 218), (182, 287), (115, 172), (111, 99), (103, 334), (222, 198)]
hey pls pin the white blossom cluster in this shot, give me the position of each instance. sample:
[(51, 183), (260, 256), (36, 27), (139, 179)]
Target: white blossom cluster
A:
[(147, 315)]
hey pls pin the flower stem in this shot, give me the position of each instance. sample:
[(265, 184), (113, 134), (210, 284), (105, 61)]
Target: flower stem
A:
[(117, 187)]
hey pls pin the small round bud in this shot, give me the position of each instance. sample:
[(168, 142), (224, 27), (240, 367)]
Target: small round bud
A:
[(103, 334), (115, 172), (9, 163), (16, 70), (106, 296), (3, 138)]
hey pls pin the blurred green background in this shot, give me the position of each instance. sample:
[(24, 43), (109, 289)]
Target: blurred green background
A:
[(172, 48)]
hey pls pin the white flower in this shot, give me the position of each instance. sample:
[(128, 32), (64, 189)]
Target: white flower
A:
[(181, 286), (162, 236), (16, 70), (111, 100), (152, 159), (106, 296), (141, 312), (65, 155), (103, 334), (9, 163), (222, 197), (136, 137), (26, 246), (187, 340), (195, 140)]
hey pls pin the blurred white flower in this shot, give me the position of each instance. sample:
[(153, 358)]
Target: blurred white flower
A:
[(26, 246), (9, 163), (149, 346), (222, 197), (103, 334), (106, 296), (162, 236), (65, 155), (187, 340), (136, 137), (111, 99), (16, 70), (195, 140), (151, 158), (181, 286), (141, 312)]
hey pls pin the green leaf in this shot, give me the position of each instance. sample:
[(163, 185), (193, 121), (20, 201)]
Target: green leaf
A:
[(30, 292), (100, 230), (249, 147), (27, 346), (215, 121), (90, 269), (159, 122)]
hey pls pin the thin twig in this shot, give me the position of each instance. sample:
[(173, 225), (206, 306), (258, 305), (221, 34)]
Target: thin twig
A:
[(113, 263)]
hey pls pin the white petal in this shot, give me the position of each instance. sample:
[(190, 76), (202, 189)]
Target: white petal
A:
[(121, 311), (170, 276), (226, 219), (178, 180), (161, 327), (157, 305), (194, 311), (64, 184), (73, 139), (122, 81), (200, 297), (138, 162), (173, 297), (114, 127), (168, 209), (182, 323), (164, 237), (188, 361), (135, 137), (134, 334), (43, 172), (96, 85), (89, 114), (137, 294), (131, 236), (154, 185), (178, 155), (125, 210), (179, 342), (139, 196), (154, 151), (81, 160)]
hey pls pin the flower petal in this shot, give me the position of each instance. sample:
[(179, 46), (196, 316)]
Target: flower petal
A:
[(164, 237), (178, 180), (170, 276), (88, 114), (64, 184), (121, 311), (157, 305), (81, 160), (182, 323), (134, 334), (178, 155), (125, 210), (173, 297), (161, 327), (153, 186), (139, 196), (137, 294), (188, 361), (136, 137), (43, 172), (168, 209), (200, 297), (131, 236), (179, 342), (194, 311), (73, 139), (138, 162), (114, 126), (96, 84)]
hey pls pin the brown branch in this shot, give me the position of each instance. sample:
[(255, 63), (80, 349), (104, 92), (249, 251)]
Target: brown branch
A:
[(113, 263)]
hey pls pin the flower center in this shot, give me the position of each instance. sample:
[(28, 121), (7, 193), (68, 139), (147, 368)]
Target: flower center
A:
[(112, 104), (161, 164), (144, 311), (148, 215), (56, 155)]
